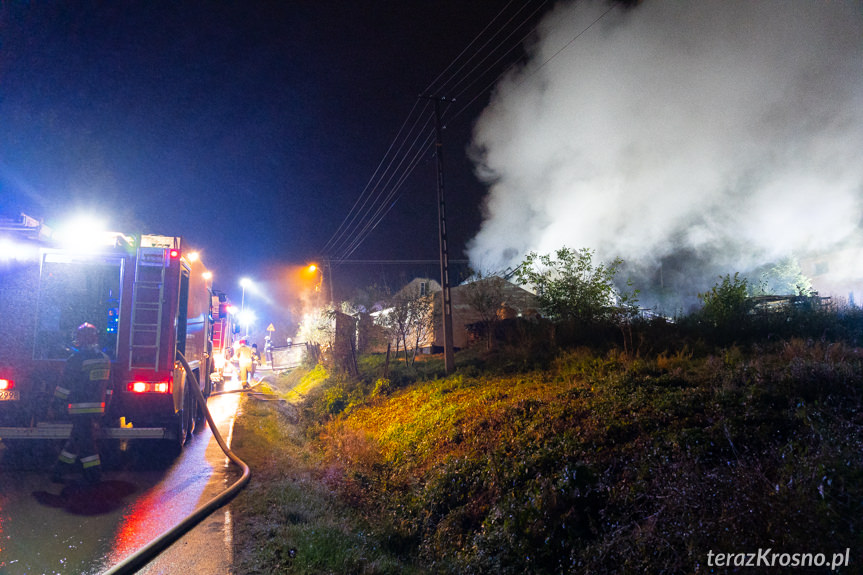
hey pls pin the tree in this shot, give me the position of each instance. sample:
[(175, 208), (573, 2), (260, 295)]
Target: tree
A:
[(569, 287), (409, 318), (485, 296), (781, 278), (317, 327)]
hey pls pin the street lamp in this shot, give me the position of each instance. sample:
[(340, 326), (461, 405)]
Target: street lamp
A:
[(245, 282)]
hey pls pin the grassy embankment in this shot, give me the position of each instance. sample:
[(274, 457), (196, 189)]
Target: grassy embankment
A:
[(596, 463)]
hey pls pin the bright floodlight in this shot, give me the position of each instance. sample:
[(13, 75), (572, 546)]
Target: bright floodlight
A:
[(312, 267), (84, 231), (10, 250), (245, 282), (246, 317)]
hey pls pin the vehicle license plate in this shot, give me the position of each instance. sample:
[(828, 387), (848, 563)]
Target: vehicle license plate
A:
[(9, 395)]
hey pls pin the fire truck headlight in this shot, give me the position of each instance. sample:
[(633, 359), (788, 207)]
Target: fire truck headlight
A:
[(10, 251)]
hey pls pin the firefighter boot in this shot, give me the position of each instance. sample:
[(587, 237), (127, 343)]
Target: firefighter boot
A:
[(64, 463), (92, 469), (56, 475)]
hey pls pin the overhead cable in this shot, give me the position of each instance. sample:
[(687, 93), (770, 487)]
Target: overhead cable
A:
[(407, 149)]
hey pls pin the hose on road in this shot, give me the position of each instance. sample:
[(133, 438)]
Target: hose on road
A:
[(147, 553)]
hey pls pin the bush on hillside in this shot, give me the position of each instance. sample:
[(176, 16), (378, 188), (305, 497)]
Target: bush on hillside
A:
[(613, 464)]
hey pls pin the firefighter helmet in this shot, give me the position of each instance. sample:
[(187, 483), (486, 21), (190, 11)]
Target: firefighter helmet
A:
[(87, 335)]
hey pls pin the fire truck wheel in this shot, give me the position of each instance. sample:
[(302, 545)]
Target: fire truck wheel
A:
[(200, 418), (190, 406)]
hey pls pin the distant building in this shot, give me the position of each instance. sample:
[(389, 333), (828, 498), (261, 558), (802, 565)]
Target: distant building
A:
[(837, 273), (515, 302)]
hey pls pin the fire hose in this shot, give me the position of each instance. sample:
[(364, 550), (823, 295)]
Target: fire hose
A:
[(140, 558)]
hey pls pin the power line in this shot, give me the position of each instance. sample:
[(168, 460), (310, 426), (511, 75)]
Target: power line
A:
[(399, 262), (541, 66), (338, 235), (406, 151)]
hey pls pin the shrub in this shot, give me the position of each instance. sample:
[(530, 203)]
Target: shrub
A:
[(382, 387), (725, 305), (569, 286)]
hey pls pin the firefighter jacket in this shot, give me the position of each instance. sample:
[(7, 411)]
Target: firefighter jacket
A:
[(86, 382), (245, 357)]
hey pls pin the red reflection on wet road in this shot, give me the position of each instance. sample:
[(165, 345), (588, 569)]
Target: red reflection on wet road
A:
[(180, 492), (162, 507), (76, 529)]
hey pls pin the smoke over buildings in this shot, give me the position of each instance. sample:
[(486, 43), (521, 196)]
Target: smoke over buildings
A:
[(691, 139)]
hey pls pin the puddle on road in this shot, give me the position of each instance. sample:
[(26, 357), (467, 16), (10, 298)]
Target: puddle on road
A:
[(84, 499)]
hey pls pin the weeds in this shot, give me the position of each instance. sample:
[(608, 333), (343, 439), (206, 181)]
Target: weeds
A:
[(597, 462), (614, 464)]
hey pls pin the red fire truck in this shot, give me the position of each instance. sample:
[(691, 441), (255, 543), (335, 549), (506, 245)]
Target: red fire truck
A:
[(150, 298), (224, 330)]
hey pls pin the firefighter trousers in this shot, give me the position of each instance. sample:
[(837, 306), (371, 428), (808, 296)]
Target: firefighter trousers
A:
[(82, 444), (246, 371)]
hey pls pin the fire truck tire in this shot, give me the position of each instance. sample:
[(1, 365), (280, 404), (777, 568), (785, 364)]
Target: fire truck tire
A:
[(183, 422), (200, 416), (190, 407), (208, 380)]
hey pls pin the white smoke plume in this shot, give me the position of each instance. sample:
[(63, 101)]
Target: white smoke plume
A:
[(697, 137)]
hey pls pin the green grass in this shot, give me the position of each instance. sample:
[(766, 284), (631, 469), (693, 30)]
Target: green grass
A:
[(598, 462), (289, 520)]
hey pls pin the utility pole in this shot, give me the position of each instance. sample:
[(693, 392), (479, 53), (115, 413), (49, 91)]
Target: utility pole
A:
[(328, 266), (449, 357)]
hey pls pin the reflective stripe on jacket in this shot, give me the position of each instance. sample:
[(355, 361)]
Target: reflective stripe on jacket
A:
[(84, 408), (87, 377)]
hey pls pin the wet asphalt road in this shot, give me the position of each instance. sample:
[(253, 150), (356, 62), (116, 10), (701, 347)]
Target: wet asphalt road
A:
[(78, 529)]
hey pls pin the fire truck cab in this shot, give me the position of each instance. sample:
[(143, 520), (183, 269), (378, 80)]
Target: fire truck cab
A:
[(150, 298)]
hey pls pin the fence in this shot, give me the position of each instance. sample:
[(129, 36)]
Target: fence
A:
[(288, 357)]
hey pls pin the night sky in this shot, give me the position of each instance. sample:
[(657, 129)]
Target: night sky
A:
[(249, 128), (691, 139)]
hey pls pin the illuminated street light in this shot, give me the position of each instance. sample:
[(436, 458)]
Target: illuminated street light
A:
[(312, 269), (245, 282), (246, 317)]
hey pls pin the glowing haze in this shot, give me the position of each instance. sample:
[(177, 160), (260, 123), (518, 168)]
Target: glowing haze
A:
[(691, 137)]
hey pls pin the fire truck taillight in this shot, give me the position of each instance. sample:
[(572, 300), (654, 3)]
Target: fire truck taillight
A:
[(174, 254), (7, 385), (149, 387)]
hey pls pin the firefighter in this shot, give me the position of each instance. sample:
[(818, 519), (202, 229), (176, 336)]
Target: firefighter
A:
[(256, 359), (268, 350), (246, 362), (85, 390)]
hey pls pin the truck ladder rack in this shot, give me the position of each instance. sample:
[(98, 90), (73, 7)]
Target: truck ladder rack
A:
[(148, 297)]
